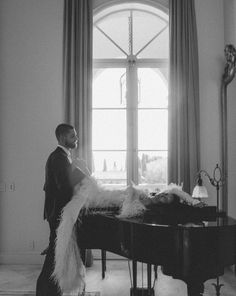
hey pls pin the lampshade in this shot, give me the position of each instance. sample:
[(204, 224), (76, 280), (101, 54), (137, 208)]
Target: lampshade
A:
[(200, 191)]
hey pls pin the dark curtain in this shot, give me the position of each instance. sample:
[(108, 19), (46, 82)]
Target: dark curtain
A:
[(183, 122), (77, 72)]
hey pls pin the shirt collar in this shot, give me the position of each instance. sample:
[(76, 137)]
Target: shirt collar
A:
[(67, 151)]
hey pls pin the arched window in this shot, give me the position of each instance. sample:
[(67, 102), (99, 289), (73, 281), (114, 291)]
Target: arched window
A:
[(130, 95)]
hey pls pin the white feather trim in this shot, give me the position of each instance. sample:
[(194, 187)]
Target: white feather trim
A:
[(131, 209), (132, 205), (69, 270)]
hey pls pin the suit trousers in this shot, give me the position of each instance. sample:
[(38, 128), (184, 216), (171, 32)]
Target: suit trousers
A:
[(47, 286)]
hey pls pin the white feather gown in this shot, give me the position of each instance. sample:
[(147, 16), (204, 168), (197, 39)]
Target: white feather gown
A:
[(69, 271)]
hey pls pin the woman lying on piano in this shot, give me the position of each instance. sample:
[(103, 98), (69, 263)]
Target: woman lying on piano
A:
[(173, 198), (139, 200)]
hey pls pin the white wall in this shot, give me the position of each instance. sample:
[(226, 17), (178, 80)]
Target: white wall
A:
[(210, 26), (30, 108), (230, 38)]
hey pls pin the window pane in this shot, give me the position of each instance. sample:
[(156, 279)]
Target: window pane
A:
[(104, 48), (152, 167), (109, 129), (146, 26), (109, 88), (152, 129), (115, 25), (158, 48), (110, 167), (153, 88)]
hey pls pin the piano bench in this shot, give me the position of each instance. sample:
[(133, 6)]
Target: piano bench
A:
[(141, 292)]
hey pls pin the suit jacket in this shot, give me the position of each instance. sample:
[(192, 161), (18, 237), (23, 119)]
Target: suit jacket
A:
[(60, 178)]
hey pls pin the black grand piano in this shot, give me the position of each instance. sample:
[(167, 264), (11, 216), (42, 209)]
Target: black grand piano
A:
[(190, 244)]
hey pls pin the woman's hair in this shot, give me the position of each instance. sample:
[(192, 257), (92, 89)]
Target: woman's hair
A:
[(166, 198), (176, 199), (62, 129)]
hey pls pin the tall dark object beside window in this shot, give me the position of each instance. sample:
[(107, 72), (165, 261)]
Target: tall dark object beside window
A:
[(183, 104), (227, 77)]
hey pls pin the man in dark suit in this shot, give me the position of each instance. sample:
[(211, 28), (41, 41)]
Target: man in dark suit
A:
[(60, 178)]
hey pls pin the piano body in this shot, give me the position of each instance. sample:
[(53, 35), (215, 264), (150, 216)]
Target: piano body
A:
[(191, 245)]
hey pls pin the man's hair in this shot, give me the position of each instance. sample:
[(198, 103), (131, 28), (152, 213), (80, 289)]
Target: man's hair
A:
[(62, 129)]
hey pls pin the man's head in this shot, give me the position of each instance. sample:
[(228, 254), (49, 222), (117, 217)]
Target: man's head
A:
[(66, 136)]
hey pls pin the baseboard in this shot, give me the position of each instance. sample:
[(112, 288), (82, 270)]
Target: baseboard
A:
[(36, 258), (18, 293), (21, 258), (32, 293)]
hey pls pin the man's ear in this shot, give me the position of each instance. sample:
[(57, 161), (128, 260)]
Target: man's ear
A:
[(61, 140)]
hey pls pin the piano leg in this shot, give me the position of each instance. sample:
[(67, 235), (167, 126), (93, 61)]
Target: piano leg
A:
[(135, 291), (155, 271), (149, 279), (134, 275), (103, 253), (195, 289), (217, 286)]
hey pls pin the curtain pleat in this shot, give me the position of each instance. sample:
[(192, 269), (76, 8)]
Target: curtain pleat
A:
[(77, 72), (183, 121)]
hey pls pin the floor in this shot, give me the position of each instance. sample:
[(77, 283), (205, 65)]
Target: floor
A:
[(21, 279)]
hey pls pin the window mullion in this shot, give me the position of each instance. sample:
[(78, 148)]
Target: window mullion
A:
[(132, 122)]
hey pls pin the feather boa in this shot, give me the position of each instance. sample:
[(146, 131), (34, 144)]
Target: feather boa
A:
[(69, 271)]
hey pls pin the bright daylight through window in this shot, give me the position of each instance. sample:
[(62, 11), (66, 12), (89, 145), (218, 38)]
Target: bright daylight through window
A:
[(130, 95)]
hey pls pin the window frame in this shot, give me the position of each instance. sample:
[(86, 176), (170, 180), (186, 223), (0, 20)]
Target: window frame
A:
[(103, 63)]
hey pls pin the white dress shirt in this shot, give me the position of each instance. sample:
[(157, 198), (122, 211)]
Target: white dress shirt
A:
[(67, 151)]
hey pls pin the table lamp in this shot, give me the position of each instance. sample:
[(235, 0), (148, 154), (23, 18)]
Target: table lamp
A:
[(200, 191)]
